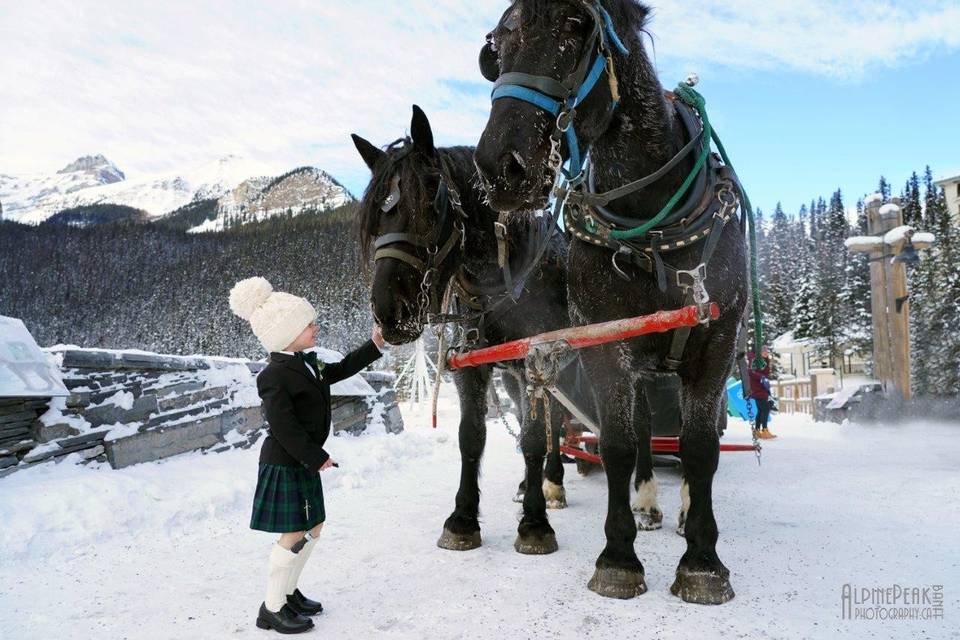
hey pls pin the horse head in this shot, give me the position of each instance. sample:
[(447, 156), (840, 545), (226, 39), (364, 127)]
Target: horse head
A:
[(553, 66), (409, 226)]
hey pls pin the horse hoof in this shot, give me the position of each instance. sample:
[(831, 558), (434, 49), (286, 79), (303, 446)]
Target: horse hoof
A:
[(612, 582), (536, 545), (702, 587), (519, 496), (682, 524), (555, 495), (459, 541), (649, 519)]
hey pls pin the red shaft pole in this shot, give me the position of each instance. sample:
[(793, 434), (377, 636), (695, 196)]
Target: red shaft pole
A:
[(586, 336)]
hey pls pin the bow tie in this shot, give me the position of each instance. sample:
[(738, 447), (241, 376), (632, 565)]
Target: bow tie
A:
[(308, 357)]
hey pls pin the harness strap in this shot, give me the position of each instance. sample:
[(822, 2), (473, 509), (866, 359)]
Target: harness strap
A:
[(543, 84), (391, 238), (603, 199), (403, 256)]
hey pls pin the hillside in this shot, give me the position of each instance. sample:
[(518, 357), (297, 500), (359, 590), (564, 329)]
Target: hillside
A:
[(161, 289)]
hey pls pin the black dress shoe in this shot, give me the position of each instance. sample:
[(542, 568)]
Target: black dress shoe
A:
[(284, 621), (303, 605)]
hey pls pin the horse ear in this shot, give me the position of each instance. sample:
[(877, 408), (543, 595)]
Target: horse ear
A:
[(370, 154), (421, 133)]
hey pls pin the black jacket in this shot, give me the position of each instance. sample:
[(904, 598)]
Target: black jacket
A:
[(296, 405)]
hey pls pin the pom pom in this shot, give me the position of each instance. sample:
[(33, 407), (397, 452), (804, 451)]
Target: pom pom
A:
[(247, 295)]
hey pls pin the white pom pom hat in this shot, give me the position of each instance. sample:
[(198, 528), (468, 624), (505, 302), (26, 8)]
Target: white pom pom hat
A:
[(276, 318)]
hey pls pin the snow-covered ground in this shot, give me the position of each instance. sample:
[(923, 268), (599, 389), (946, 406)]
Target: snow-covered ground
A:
[(164, 550)]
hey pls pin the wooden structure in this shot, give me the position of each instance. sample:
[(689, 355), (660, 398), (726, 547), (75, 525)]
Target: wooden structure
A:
[(888, 239)]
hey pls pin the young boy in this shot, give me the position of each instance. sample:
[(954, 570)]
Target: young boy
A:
[(295, 390)]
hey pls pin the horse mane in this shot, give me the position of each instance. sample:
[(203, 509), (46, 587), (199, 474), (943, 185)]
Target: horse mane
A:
[(631, 13)]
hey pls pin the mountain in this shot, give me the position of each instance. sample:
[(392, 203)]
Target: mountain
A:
[(242, 190), (295, 192), (33, 198)]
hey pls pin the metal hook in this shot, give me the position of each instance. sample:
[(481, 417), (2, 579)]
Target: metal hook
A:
[(616, 267)]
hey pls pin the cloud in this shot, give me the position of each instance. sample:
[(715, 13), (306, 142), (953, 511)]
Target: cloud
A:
[(841, 39), (155, 86)]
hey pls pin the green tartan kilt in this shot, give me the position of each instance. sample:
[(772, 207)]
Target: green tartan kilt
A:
[(288, 498)]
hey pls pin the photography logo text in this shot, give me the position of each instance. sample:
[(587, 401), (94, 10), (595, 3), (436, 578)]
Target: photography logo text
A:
[(893, 602)]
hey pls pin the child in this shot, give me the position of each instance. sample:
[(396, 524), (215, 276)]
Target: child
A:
[(760, 391), (295, 390)]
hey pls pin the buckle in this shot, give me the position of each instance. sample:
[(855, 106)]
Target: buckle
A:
[(694, 279)]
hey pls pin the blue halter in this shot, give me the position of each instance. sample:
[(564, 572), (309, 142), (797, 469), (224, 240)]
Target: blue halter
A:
[(561, 99)]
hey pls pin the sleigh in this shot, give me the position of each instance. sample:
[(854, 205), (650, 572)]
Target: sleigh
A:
[(553, 365)]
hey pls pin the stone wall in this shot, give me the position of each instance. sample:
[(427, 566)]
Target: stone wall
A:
[(132, 407)]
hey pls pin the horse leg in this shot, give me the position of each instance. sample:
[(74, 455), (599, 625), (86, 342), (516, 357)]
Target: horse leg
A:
[(649, 515), (553, 490), (701, 577), (684, 503), (512, 385), (618, 573), (534, 534), (461, 531)]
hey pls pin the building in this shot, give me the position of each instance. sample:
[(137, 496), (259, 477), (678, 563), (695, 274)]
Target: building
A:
[(799, 357), (951, 187)]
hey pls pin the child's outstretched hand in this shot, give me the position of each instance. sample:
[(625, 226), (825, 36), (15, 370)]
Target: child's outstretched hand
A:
[(377, 337), (329, 464)]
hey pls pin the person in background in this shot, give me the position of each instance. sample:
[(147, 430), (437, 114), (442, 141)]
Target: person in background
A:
[(760, 392)]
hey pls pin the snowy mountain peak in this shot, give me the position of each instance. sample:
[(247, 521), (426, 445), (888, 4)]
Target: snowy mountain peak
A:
[(295, 192), (108, 171), (245, 190)]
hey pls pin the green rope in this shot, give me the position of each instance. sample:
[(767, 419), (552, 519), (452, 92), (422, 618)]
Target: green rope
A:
[(693, 98)]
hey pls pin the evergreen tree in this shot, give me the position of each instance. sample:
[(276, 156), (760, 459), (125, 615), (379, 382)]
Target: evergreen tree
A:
[(943, 337), (779, 284), (910, 202), (857, 327), (883, 188)]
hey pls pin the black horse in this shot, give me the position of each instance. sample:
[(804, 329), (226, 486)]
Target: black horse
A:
[(422, 217), (578, 66)]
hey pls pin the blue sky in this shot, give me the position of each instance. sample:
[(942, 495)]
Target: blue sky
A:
[(794, 136), (808, 95)]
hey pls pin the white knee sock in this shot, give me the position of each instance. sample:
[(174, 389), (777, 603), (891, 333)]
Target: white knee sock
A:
[(282, 563), (302, 558)]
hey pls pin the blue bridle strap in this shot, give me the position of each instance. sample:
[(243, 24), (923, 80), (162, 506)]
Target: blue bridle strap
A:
[(532, 96), (554, 106)]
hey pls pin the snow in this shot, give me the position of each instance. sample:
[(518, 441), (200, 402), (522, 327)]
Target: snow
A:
[(787, 341), (864, 243), (872, 198), (122, 399), (898, 234), (163, 550), (923, 238), (889, 210), (33, 199), (55, 415)]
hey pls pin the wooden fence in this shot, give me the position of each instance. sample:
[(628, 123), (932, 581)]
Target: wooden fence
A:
[(795, 396)]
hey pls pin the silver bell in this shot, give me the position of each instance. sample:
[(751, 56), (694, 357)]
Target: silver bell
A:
[(692, 80)]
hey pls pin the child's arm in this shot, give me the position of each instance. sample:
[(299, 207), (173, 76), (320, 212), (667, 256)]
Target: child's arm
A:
[(284, 425), (352, 364)]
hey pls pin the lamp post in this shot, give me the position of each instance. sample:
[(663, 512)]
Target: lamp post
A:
[(892, 247)]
